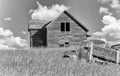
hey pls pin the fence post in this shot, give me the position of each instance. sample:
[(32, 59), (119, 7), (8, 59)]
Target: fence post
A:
[(117, 57), (90, 52)]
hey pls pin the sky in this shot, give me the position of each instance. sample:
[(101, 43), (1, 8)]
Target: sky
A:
[(101, 17)]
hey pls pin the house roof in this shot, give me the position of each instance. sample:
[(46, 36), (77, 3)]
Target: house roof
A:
[(76, 21), (37, 24)]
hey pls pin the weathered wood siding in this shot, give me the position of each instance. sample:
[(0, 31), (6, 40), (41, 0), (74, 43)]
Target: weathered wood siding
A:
[(38, 38), (105, 53), (54, 34), (102, 53)]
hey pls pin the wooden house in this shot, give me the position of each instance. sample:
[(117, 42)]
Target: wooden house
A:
[(65, 30)]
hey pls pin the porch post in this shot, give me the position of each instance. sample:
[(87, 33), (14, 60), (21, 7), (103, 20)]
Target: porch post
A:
[(117, 57), (90, 52)]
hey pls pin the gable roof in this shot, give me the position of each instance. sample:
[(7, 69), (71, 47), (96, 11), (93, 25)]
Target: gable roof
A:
[(37, 24), (75, 20)]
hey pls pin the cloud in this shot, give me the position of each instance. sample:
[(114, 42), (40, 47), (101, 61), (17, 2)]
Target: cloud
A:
[(115, 4), (8, 41), (24, 32), (15, 41), (112, 3), (47, 13), (104, 10), (111, 30), (7, 19), (104, 1), (5, 47), (5, 33)]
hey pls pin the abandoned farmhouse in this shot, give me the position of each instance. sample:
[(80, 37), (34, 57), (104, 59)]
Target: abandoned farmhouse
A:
[(65, 30)]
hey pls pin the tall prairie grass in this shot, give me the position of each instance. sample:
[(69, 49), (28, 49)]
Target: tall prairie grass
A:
[(49, 62)]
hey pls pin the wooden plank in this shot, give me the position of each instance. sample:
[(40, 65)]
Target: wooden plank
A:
[(30, 40), (117, 57), (90, 52), (36, 24), (104, 53), (84, 44)]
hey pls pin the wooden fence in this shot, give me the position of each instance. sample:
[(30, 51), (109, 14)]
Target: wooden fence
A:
[(100, 52)]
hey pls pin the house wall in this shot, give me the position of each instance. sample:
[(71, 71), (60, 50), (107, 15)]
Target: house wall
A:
[(38, 38), (54, 34)]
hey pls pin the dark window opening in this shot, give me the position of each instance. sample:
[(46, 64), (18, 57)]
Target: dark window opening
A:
[(62, 26), (61, 45), (67, 26), (66, 44)]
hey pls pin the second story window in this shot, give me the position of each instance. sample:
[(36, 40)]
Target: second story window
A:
[(62, 26), (65, 26)]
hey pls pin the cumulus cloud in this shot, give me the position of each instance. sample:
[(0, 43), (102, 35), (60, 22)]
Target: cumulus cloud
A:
[(5, 47), (24, 32), (15, 41), (112, 3), (104, 1), (47, 13), (5, 33), (115, 4), (7, 19), (104, 10), (8, 41), (111, 30)]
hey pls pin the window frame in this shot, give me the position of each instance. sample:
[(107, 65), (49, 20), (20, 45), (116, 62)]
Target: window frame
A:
[(62, 27), (65, 26)]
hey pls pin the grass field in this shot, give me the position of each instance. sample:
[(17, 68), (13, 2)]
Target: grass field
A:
[(49, 62)]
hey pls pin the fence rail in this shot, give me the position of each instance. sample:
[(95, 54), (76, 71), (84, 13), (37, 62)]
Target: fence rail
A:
[(101, 52)]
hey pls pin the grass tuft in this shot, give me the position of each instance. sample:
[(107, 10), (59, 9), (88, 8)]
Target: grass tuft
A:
[(49, 62)]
